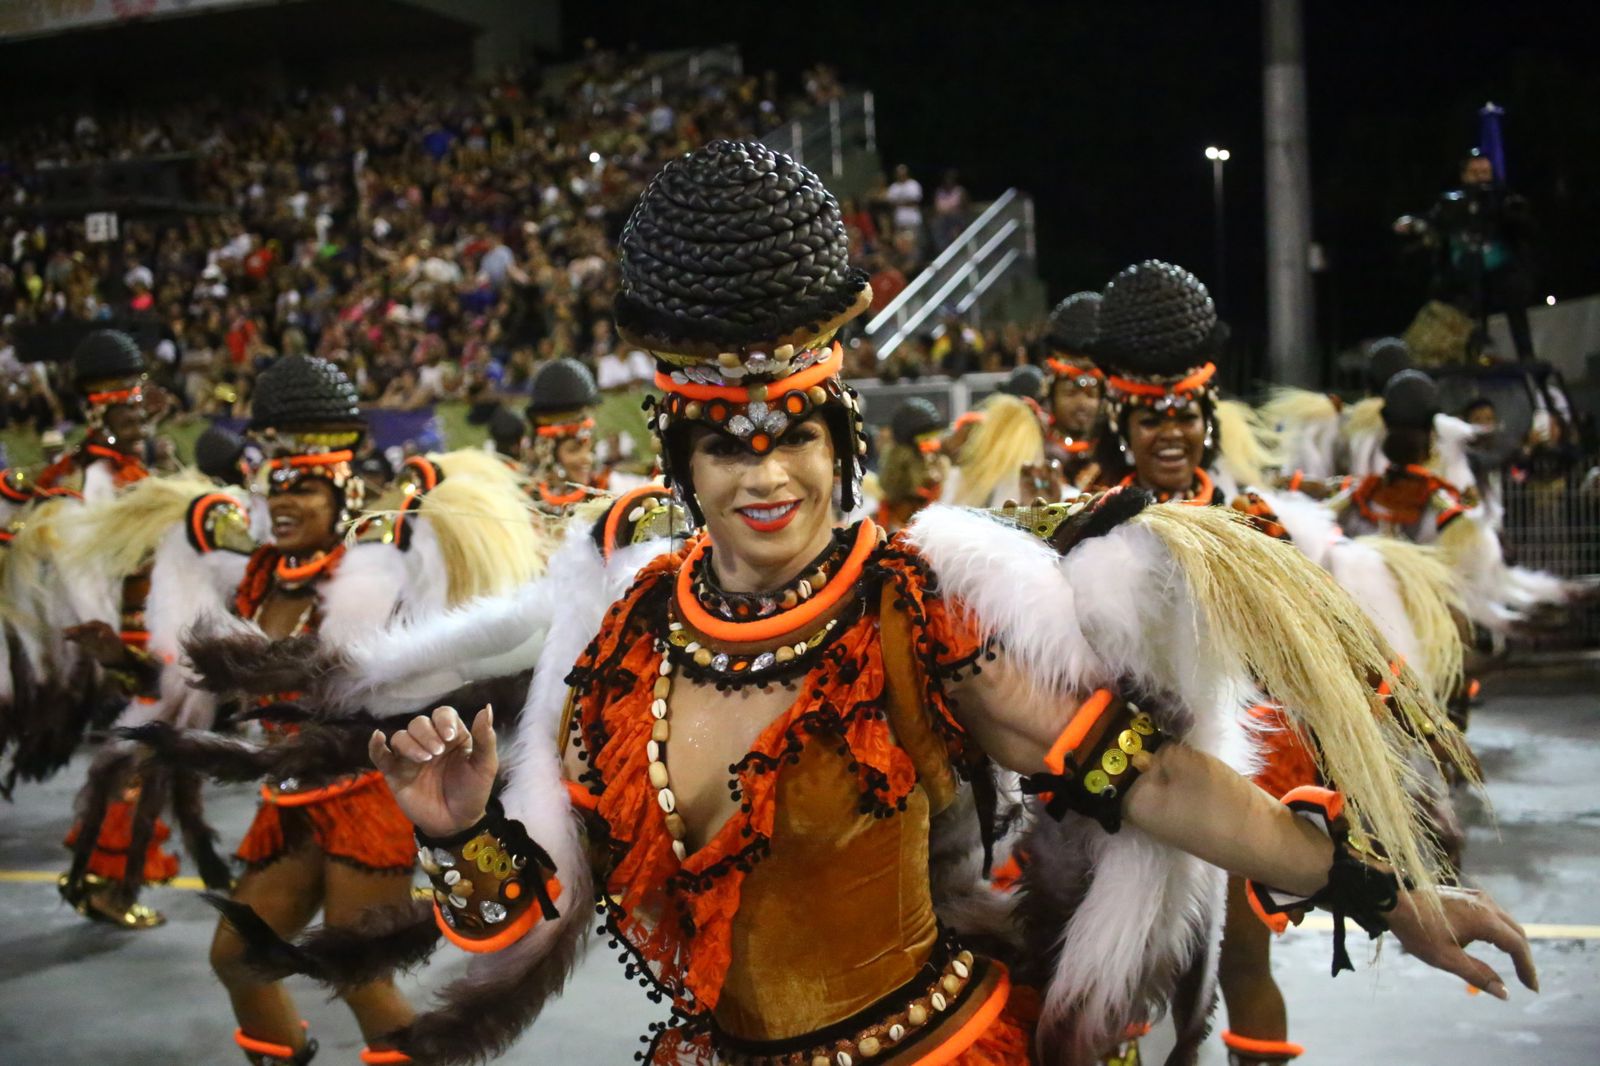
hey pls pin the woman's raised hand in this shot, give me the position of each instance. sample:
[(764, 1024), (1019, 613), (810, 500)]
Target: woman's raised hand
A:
[(441, 773)]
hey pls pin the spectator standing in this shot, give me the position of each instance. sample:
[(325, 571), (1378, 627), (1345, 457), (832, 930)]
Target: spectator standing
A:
[(905, 196), (950, 211)]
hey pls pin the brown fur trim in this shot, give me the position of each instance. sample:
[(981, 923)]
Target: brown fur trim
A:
[(199, 839), (389, 939), (230, 656), (315, 751), (154, 790)]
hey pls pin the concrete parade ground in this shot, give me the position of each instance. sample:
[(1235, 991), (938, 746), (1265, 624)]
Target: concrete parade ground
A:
[(73, 993)]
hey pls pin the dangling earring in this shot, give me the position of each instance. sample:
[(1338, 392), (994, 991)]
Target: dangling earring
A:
[(1127, 456), (1211, 435)]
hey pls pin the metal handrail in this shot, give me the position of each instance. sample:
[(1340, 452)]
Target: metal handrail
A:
[(999, 242), (924, 279), (680, 69), (827, 133)]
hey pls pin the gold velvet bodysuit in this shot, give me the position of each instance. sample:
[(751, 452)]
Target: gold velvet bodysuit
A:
[(805, 926)]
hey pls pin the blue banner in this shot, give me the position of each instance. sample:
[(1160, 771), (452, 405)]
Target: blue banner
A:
[(1490, 140)]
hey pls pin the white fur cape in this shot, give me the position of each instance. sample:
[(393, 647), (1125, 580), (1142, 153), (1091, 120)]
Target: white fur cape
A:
[(1114, 609), (186, 585)]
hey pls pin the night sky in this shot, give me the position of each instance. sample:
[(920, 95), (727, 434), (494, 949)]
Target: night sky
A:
[(1103, 111)]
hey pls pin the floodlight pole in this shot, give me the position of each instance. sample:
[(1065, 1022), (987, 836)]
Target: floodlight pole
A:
[(1291, 312)]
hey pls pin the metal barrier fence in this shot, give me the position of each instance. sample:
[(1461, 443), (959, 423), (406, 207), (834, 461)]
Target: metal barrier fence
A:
[(1555, 526), (952, 398), (821, 137)]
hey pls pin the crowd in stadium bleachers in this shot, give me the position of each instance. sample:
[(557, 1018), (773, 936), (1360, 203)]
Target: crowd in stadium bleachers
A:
[(437, 238)]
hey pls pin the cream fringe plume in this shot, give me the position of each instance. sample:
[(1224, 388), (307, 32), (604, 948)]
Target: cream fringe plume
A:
[(486, 529), (1308, 644), (1307, 424), (488, 537), (1364, 416), (35, 549), (117, 536), (995, 451), (1287, 407), (1429, 591), (1247, 444)]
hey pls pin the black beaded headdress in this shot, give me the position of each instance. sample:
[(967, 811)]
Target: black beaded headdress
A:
[(108, 370), (735, 277), (563, 391), (219, 454), (1026, 381), (504, 425), (914, 418), (1074, 325), (307, 415), (1386, 357), (1158, 338), (1410, 401)]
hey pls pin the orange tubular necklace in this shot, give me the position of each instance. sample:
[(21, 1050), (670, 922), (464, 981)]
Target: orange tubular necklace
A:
[(306, 571), (562, 500), (785, 622)]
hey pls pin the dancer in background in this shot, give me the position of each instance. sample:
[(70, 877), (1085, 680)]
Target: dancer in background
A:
[(1076, 387), (1159, 343), (914, 467), (560, 454)]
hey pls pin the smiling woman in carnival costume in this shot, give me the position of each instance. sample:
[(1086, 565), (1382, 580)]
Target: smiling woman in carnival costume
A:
[(1159, 342), (767, 726)]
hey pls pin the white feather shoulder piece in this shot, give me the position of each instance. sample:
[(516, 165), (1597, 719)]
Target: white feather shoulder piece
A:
[(401, 666)]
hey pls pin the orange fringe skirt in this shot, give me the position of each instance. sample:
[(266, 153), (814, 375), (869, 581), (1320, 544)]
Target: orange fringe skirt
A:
[(1286, 762), (109, 859), (355, 821)]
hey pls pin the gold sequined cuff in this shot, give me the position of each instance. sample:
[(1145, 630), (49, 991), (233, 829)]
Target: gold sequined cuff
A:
[(491, 884), (1092, 774)]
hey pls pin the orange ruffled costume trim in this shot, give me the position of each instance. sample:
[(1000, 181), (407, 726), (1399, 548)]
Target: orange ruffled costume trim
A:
[(360, 824), (686, 941), (1286, 762), (109, 859)]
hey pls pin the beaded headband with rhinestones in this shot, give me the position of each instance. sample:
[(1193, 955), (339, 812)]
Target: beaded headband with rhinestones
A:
[(1084, 376), (571, 424), (105, 395), (328, 454), (1161, 393), (757, 413)]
